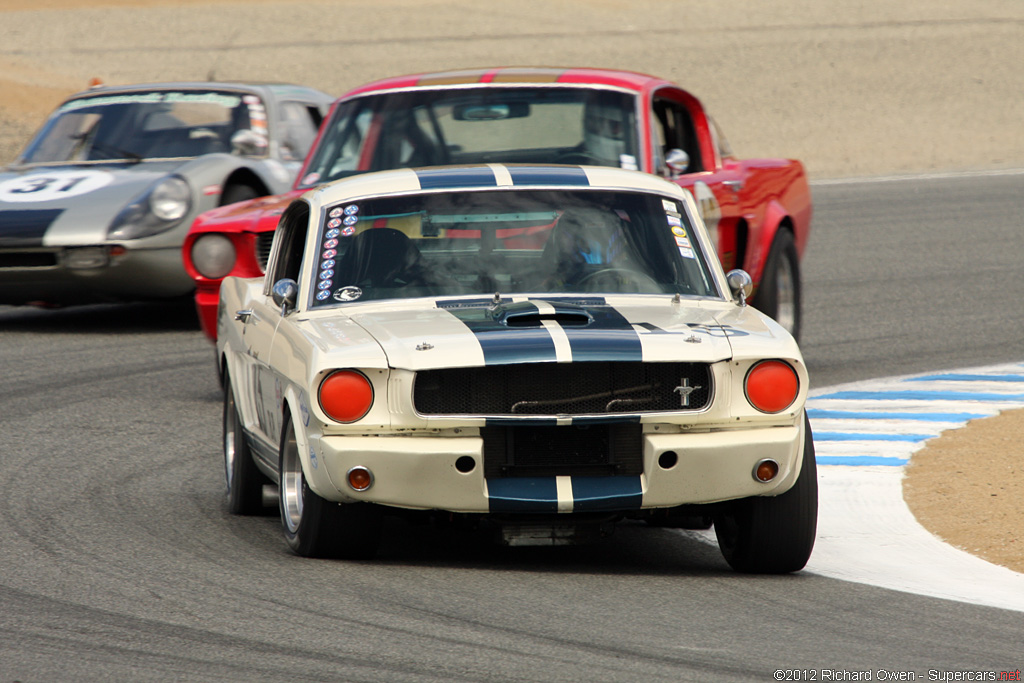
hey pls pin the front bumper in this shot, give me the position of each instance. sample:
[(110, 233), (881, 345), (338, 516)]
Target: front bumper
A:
[(433, 473), (43, 275)]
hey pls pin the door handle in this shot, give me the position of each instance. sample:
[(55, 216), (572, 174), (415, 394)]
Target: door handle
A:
[(245, 315), (734, 185)]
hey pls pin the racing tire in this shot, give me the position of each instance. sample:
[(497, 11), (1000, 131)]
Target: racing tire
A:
[(237, 193), (773, 535), (243, 479), (316, 527), (779, 295)]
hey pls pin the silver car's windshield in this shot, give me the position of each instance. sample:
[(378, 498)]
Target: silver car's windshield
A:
[(542, 125), (156, 124), (507, 242)]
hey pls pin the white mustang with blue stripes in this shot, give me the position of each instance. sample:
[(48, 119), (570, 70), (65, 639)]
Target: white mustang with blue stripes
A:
[(545, 349)]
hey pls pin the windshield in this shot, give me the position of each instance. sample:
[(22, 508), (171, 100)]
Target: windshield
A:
[(477, 125), (507, 242), (152, 124)]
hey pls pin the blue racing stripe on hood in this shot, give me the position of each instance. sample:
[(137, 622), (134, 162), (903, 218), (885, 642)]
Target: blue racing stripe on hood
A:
[(26, 227), (465, 176), (608, 337), (503, 345), (548, 175)]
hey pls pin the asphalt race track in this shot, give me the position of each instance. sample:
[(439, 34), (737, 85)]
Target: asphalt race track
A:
[(118, 562)]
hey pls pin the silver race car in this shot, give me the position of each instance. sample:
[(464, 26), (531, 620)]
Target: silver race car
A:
[(97, 205)]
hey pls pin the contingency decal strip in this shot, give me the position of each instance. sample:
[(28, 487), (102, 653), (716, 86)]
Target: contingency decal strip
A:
[(885, 422)]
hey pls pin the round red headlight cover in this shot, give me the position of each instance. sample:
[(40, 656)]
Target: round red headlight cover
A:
[(346, 395), (772, 386)]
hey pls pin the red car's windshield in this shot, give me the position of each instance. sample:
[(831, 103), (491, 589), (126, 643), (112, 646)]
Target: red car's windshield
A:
[(542, 125)]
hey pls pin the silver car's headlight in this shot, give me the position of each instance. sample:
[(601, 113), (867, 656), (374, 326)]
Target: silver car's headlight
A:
[(160, 208), (213, 256)]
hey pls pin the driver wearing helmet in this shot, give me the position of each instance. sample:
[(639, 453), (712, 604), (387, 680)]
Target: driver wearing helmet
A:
[(605, 126), (583, 241)]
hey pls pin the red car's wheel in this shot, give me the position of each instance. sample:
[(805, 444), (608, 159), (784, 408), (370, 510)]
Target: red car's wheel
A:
[(779, 294)]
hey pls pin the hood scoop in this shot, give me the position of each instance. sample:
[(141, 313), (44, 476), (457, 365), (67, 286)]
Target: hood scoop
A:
[(536, 313)]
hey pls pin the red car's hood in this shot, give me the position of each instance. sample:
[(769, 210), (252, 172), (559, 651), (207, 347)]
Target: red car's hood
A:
[(261, 214)]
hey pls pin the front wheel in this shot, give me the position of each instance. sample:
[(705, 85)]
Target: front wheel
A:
[(315, 527), (779, 293), (244, 480), (773, 535)]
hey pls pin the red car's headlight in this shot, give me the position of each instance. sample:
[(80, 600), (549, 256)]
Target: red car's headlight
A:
[(346, 395), (771, 386), (213, 256)]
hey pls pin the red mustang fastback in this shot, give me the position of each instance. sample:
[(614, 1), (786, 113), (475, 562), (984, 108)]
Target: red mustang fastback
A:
[(758, 211)]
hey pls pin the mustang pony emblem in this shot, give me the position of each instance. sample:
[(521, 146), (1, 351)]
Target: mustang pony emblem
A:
[(684, 390)]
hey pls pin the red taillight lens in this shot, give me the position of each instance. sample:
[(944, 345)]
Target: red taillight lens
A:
[(772, 386), (346, 395)]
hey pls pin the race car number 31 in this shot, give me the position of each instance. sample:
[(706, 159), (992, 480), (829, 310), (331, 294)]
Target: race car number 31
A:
[(43, 187)]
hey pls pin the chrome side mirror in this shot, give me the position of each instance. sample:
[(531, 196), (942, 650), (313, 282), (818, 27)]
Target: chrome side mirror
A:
[(248, 144), (740, 284), (677, 161), (285, 293)]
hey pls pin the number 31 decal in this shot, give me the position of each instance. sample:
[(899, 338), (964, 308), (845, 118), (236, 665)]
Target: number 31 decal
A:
[(43, 187)]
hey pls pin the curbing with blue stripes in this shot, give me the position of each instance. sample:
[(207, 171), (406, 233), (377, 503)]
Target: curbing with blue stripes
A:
[(883, 422)]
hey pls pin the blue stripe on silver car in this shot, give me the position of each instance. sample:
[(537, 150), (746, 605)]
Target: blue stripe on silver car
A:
[(26, 227)]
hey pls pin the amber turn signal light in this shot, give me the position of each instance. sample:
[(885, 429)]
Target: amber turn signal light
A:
[(766, 470), (346, 395), (360, 478), (772, 386)]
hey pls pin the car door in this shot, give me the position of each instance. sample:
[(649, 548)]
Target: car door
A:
[(260, 320), (263, 319), (678, 122)]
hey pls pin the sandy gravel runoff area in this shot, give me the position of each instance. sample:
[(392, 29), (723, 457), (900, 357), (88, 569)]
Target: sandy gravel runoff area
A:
[(852, 89)]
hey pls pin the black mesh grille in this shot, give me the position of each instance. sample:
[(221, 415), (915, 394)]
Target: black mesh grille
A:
[(594, 450), (264, 241), (28, 259), (563, 389)]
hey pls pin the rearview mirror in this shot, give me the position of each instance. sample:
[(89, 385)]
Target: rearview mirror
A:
[(492, 111)]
